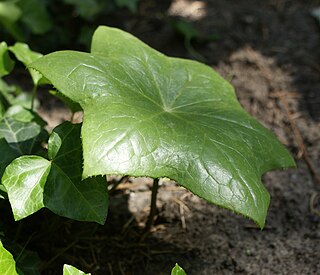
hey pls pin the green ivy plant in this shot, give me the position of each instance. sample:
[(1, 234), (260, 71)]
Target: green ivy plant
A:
[(8, 265)]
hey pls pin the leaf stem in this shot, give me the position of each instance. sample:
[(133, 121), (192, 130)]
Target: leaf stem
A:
[(153, 205)]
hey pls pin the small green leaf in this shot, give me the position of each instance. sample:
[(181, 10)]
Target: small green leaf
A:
[(27, 262), (23, 137), (9, 12), (7, 263), (20, 113), (146, 114), (25, 55), (33, 182), (177, 270), (70, 270), (6, 63), (24, 180)]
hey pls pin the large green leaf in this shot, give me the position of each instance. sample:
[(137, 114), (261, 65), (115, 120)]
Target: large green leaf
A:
[(146, 114), (33, 182), (7, 263)]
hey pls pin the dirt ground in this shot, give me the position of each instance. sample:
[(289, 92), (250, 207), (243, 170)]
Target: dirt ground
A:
[(270, 50)]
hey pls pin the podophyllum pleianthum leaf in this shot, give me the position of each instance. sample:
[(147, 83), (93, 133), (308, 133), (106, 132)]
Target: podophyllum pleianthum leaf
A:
[(146, 114), (33, 182), (6, 63), (7, 263), (70, 270), (25, 55), (177, 270)]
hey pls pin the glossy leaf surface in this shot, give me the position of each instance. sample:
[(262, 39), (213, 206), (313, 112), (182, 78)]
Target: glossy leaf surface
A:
[(33, 182), (146, 114)]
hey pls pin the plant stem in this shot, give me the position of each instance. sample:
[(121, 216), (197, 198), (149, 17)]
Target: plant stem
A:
[(34, 94), (153, 205)]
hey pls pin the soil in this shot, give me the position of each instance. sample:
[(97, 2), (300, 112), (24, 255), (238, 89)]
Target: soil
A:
[(271, 51)]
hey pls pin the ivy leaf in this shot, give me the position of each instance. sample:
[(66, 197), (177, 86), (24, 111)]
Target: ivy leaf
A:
[(177, 270), (27, 262), (33, 182), (70, 270), (23, 137), (7, 263), (146, 114), (25, 55), (6, 63)]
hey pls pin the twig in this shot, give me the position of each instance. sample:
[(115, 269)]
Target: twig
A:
[(48, 263), (116, 184), (299, 139), (110, 269)]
